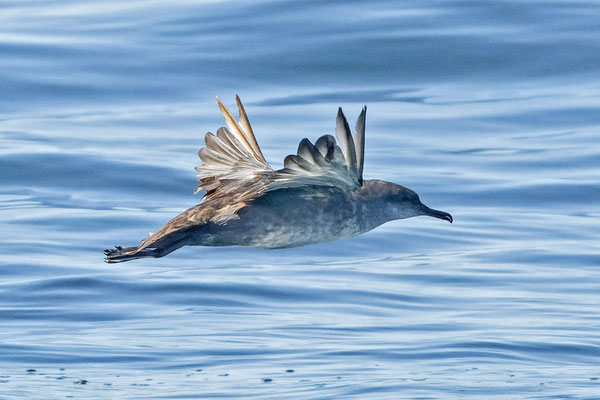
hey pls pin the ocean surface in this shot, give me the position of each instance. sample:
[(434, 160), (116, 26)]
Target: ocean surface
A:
[(490, 110)]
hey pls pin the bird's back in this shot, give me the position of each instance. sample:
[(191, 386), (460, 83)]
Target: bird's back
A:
[(288, 218)]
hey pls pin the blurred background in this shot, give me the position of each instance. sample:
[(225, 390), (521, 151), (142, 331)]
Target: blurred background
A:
[(489, 110)]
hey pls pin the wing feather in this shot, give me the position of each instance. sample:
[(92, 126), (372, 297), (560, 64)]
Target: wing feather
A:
[(229, 140), (244, 136), (247, 129), (234, 171), (298, 164), (320, 164), (217, 144), (359, 141), (326, 145), (346, 142), (230, 158), (310, 153)]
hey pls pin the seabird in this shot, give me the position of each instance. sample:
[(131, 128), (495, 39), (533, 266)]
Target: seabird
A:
[(318, 196)]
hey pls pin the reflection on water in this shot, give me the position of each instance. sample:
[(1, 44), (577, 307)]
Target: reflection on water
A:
[(487, 110)]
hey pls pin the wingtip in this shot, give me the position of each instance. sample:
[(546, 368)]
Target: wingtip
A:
[(225, 111), (360, 122), (342, 121), (341, 118), (241, 110)]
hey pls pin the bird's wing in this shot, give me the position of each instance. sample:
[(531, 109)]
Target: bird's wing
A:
[(326, 163), (234, 170), (231, 157)]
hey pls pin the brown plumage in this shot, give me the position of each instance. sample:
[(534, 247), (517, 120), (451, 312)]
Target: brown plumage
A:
[(319, 195)]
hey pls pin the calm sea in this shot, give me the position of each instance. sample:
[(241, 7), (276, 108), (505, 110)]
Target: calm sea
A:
[(490, 110)]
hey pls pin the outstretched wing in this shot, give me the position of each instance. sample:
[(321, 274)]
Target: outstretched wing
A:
[(234, 170), (326, 163), (231, 158)]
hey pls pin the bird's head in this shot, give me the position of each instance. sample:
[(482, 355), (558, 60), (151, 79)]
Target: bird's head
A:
[(401, 202)]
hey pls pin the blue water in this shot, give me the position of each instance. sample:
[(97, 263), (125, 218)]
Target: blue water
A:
[(489, 110)]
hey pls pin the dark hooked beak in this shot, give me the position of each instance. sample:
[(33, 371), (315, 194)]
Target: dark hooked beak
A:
[(437, 214)]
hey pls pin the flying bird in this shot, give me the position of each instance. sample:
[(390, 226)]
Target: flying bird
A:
[(318, 196)]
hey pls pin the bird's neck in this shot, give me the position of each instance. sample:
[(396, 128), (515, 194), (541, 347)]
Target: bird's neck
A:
[(371, 204)]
